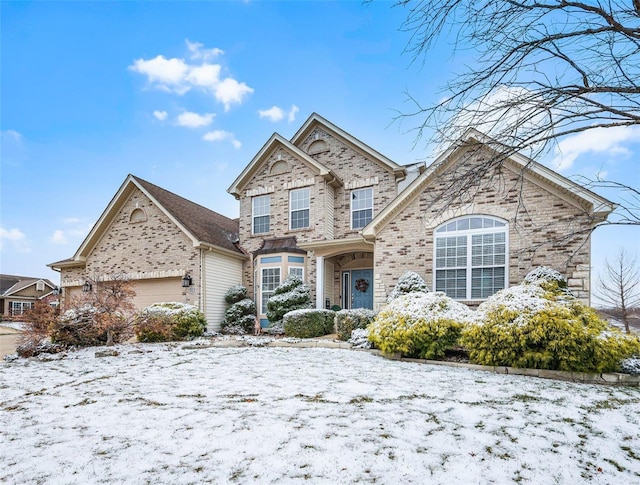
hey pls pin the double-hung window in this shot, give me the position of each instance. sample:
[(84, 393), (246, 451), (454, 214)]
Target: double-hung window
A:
[(471, 257), (20, 307), (261, 214), (270, 281), (361, 207), (299, 208)]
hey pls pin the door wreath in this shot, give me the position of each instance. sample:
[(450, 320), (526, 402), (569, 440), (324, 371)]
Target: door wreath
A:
[(362, 285)]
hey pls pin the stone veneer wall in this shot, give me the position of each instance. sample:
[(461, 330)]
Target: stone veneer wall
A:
[(544, 229), (142, 250)]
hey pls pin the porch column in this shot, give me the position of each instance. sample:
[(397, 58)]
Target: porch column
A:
[(319, 282)]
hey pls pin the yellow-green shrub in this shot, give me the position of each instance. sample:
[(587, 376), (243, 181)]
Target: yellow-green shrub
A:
[(535, 326), (421, 325)]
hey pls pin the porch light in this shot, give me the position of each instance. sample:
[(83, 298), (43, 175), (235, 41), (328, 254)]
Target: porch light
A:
[(86, 287), (57, 291), (186, 281)]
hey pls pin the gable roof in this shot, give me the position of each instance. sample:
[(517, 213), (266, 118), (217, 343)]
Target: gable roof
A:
[(601, 207), (203, 226), (272, 143), (316, 120), (10, 284)]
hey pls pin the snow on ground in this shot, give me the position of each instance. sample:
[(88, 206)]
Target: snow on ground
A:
[(164, 414), (13, 325)]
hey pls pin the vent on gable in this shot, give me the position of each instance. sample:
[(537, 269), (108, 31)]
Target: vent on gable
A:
[(318, 146), (40, 286), (137, 215), (279, 167)]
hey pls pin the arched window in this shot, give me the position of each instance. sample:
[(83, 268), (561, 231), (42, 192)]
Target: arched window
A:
[(137, 215), (470, 257)]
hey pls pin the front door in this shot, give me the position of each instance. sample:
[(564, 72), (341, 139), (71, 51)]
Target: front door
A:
[(362, 288)]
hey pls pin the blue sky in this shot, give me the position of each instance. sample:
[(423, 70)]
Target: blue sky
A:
[(183, 94)]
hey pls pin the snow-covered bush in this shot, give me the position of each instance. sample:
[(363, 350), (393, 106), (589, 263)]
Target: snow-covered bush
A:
[(348, 320), (538, 325), (86, 325), (291, 294), (235, 294), (308, 323), (163, 322), (360, 339), (409, 282), (631, 365), (420, 325), (240, 316), (549, 279)]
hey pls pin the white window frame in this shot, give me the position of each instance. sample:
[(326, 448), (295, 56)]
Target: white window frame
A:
[(15, 305), (351, 210), (263, 301), (40, 286), (469, 267), (260, 212), (300, 209), (301, 268)]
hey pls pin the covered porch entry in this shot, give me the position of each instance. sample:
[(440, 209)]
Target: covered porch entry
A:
[(345, 277)]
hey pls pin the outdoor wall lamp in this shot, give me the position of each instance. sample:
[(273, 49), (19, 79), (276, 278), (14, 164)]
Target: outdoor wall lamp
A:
[(86, 287), (186, 281), (57, 291)]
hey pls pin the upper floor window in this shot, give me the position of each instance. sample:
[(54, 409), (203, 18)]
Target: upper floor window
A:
[(361, 207), (261, 213), (471, 257), (299, 208)]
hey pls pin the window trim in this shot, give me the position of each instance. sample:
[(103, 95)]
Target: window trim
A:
[(308, 208), (290, 267), (261, 292), (468, 234), (351, 207), (254, 215)]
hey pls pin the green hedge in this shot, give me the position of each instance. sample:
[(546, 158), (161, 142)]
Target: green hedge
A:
[(308, 323), (163, 322), (346, 321)]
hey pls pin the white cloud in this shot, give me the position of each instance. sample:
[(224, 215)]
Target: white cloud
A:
[(221, 135), (197, 51), (58, 237), (276, 113), (596, 140), (16, 237), (292, 113), (11, 135), (161, 115), (178, 76), (194, 120), (272, 114), (230, 91), (168, 74)]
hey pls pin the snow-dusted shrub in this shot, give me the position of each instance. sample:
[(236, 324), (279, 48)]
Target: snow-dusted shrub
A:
[(631, 366), (239, 318), (162, 322), (409, 282), (539, 326), (420, 325), (348, 320), (235, 294), (308, 323), (86, 325), (547, 278), (291, 294), (360, 339)]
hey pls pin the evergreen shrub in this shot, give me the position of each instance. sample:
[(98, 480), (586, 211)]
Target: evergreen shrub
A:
[(291, 294), (421, 325), (348, 320), (240, 316), (308, 323), (409, 282), (168, 321)]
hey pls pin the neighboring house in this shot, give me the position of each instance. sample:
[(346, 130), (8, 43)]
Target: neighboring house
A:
[(349, 221), (19, 294), (169, 247)]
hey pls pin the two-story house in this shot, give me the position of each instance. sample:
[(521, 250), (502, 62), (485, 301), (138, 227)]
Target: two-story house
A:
[(349, 221)]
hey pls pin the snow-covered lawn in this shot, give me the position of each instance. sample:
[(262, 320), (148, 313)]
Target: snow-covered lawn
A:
[(165, 414)]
